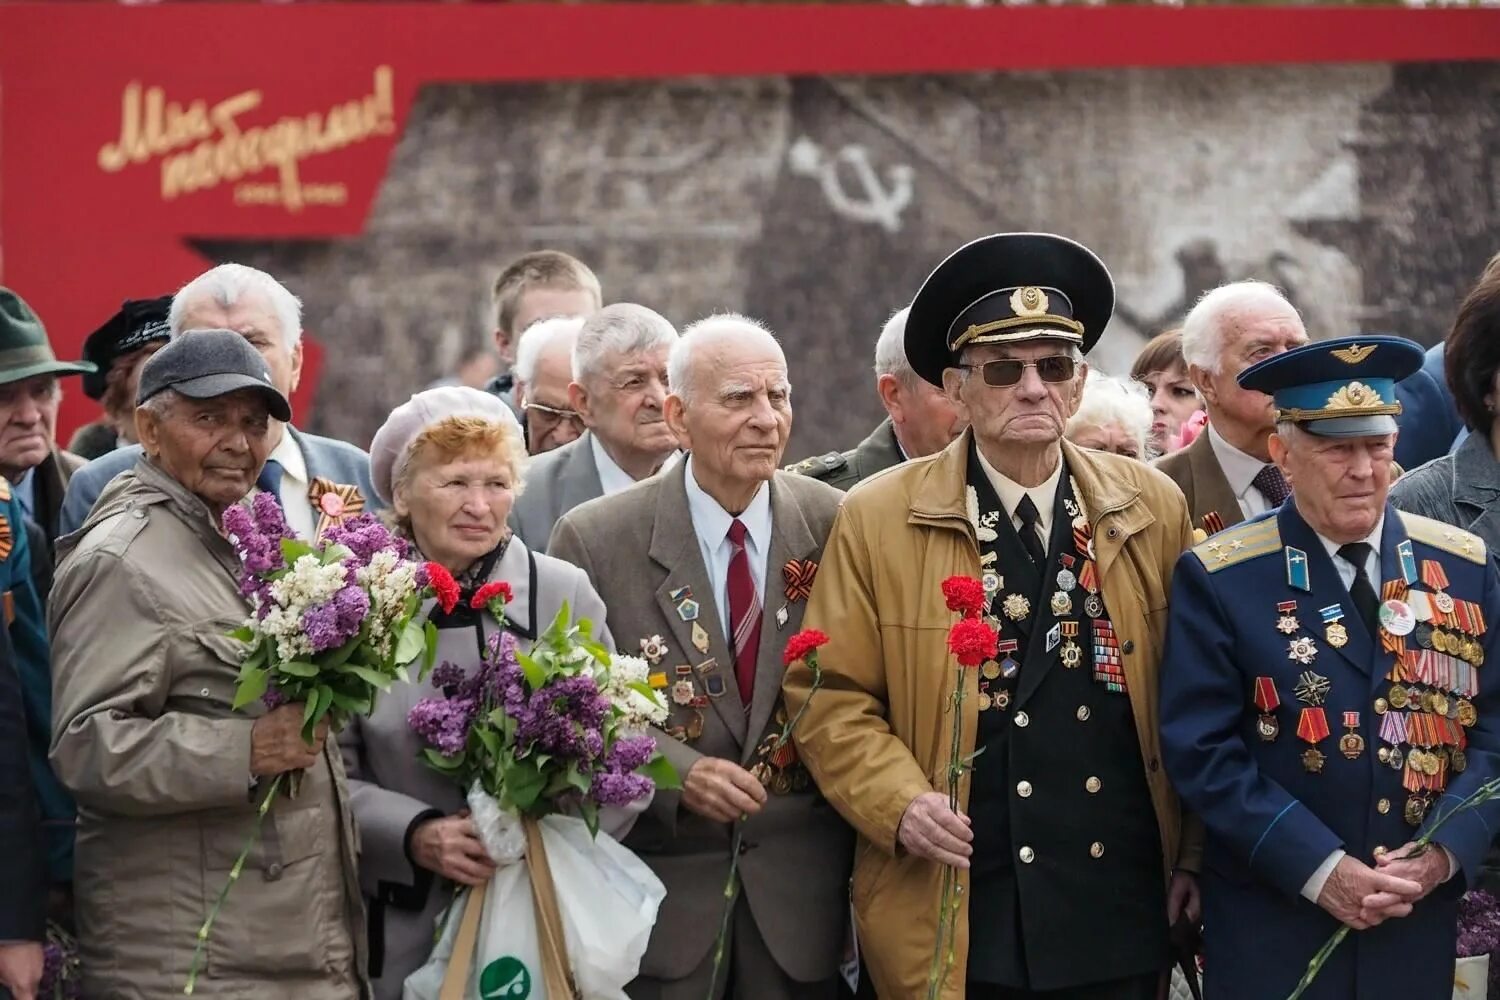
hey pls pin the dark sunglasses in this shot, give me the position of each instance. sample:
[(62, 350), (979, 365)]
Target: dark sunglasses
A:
[(1004, 372)]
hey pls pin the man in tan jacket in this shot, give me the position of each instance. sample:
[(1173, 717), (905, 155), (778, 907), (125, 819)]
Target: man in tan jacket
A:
[(1068, 843)]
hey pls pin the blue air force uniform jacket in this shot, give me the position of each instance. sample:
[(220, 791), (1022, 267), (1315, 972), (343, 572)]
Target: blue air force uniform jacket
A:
[(1254, 670)]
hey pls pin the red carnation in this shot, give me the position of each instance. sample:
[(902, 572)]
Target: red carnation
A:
[(972, 642), (801, 644), (444, 587), (964, 594), (498, 590)]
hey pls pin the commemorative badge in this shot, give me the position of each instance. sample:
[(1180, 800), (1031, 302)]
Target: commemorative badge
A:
[(1072, 653), (700, 637), (798, 575), (1267, 701), (1302, 649), (1351, 744), (1016, 607), (1061, 603), (653, 649), (1286, 622), (1396, 617), (1335, 632), (1312, 689), (334, 502)]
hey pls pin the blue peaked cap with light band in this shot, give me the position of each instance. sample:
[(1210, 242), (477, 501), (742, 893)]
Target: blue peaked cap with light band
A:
[(1338, 388)]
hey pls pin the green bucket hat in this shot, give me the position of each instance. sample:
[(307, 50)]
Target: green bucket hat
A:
[(24, 348)]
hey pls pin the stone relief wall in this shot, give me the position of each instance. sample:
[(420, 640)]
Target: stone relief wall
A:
[(1370, 193)]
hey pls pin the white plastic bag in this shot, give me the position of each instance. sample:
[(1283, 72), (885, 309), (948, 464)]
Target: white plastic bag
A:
[(607, 899), (1471, 978)]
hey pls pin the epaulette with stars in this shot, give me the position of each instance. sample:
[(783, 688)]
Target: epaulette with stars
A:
[(1446, 537), (1241, 542), (819, 465)]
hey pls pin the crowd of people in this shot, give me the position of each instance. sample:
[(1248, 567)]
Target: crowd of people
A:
[(1233, 681)]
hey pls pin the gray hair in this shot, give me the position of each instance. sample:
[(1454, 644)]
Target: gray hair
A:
[(890, 350), (620, 329), (228, 284), (1109, 401), (710, 328), (556, 331), (160, 404), (1203, 330)]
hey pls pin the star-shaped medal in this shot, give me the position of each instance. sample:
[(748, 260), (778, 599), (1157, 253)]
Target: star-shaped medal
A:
[(1302, 650), (1287, 624)]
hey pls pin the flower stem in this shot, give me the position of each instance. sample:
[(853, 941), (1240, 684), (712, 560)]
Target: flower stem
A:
[(731, 890), (234, 874)]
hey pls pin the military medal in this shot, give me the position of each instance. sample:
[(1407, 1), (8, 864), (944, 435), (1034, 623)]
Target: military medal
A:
[(1436, 579), (1008, 665), (695, 726), (1396, 617), (1093, 606), (1312, 728), (1398, 697), (1088, 579), (1312, 689), (990, 670), (1467, 715), (1416, 809), (1000, 699), (1267, 701), (1334, 631), (1016, 607), (653, 649), (1457, 760), (992, 583), (1066, 581), (1287, 623), (1072, 653), (682, 692), (1061, 603), (1301, 649), (984, 701), (1351, 744)]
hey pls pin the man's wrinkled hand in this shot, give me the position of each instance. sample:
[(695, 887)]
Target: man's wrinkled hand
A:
[(451, 847), (931, 830), (1358, 895), (1183, 899), (276, 743), (721, 790), (21, 964), (1426, 866)]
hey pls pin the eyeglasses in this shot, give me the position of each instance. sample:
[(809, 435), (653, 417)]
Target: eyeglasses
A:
[(554, 415), (1004, 372)]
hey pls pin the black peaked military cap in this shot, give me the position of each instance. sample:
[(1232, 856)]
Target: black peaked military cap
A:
[(138, 323), (209, 363), (1008, 288)]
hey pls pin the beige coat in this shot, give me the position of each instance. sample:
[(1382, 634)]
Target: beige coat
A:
[(145, 739), (877, 734)]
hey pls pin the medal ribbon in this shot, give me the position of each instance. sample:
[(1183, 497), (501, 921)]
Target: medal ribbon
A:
[(1393, 727), (1393, 590), (1351, 720), (1088, 576), (1434, 575), (1312, 725), (1266, 698)]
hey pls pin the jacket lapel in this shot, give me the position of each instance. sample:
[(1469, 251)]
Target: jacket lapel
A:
[(1039, 659), (1211, 492), (1328, 589), (579, 482), (674, 547), (791, 538)]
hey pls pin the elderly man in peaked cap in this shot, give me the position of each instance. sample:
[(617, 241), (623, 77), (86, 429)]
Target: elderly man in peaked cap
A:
[(166, 773), (118, 349), (1067, 836), (1321, 705)]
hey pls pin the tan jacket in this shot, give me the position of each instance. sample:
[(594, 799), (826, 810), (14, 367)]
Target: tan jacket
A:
[(145, 739), (877, 734)]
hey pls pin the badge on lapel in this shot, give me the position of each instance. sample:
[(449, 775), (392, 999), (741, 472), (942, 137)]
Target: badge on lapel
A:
[(334, 502), (798, 574)]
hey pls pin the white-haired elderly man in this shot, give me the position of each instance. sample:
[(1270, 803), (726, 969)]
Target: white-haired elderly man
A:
[(314, 477), (920, 419), (1227, 474), (1114, 416), (618, 387), (706, 570), (544, 369)]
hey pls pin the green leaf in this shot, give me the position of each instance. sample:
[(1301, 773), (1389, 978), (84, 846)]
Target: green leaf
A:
[(244, 633), (310, 716), (523, 785), (293, 549), (335, 553), (488, 738), (411, 644), (661, 772), (576, 778), (374, 678), (340, 656), (535, 676), (441, 763), (429, 654), (298, 668), (352, 705), (590, 810), (252, 685)]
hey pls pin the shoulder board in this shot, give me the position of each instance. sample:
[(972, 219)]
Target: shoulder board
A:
[(4, 490), (1241, 542), (819, 465), (1446, 537)]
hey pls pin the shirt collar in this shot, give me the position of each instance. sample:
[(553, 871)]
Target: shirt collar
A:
[(289, 454), (1044, 496), (1240, 468), (612, 478), (712, 520), (1372, 540)]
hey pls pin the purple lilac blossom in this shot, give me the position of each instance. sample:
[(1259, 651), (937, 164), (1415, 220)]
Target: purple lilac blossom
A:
[(352, 606), (273, 698), (364, 535), (1478, 924), (443, 723), (609, 789), (447, 675), (557, 718)]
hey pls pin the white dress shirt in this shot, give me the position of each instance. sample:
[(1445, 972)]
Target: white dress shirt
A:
[(1313, 888), (1240, 469), (711, 525), (612, 478), (294, 486), (1010, 493)]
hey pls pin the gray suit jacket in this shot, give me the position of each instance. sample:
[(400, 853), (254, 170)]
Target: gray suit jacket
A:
[(639, 548), (390, 788), (1461, 489), (335, 460), (556, 482)]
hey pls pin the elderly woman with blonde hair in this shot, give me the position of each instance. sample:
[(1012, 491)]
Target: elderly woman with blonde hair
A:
[(450, 462), (1113, 416)]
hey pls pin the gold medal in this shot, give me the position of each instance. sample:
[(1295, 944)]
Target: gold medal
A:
[(1458, 760), (1416, 808), (1351, 745), (1439, 703), (1467, 714), (1440, 640), (1397, 696), (1072, 654), (1015, 607), (1313, 759), (1381, 706), (1061, 603), (1431, 763), (1287, 624), (984, 701), (990, 670), (1337, 635)]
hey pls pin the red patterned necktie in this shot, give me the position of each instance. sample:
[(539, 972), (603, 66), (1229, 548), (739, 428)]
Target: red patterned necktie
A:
[(744, 613)]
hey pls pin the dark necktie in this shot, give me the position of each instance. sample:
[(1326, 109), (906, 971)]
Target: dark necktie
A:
[(1272, 485), (1361, 590), (1030, 531), (269, 480), (744, 613)]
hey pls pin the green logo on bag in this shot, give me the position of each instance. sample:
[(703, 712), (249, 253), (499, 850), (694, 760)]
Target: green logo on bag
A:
[(505, 979)]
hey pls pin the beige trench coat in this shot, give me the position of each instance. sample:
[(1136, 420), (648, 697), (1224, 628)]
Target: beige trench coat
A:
[(144, 738), (877, 734)]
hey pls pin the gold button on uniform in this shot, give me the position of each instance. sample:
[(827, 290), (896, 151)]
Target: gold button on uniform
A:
[(1383, 806), (1023, 789), (1096, 849), (1023, 720), (1027, 855), (1093, 785), (1083, 713)]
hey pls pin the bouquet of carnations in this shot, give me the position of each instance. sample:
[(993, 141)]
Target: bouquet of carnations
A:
[(333, 623), (543, 741)]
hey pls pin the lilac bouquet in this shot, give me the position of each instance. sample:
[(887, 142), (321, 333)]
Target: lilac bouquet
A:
[(560, 728), (1479, 931), (333, 623)]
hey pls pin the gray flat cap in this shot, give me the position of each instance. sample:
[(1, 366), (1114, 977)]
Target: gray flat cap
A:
[(209, 363)]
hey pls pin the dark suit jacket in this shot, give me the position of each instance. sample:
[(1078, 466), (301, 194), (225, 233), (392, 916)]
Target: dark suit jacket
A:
[(639, 549), (52, 478), (842, 470), (23, 881), (1429, 420), (1196, 471)]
